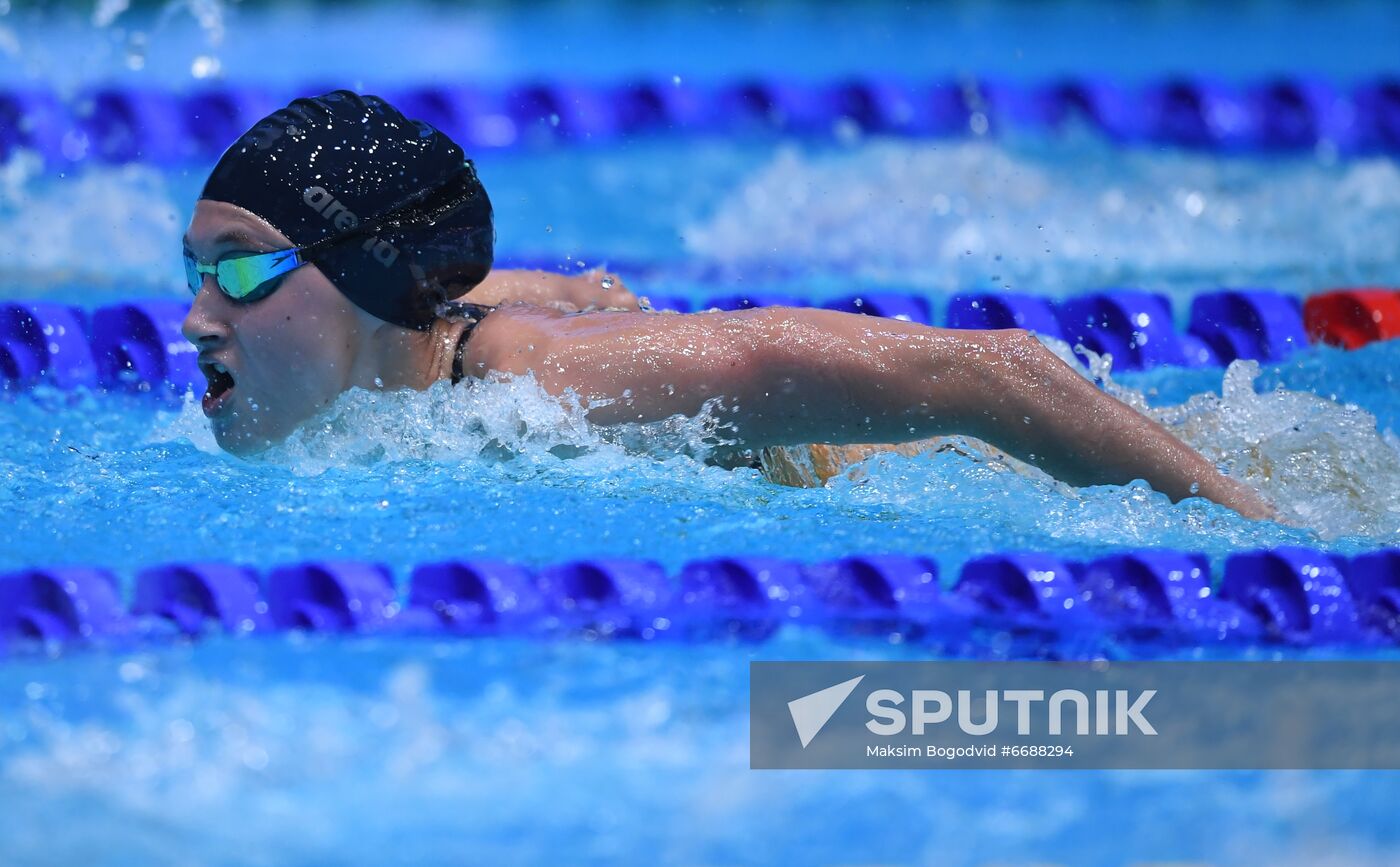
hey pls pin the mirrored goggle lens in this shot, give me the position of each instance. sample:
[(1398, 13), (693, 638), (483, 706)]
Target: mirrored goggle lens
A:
[(192, 276), (248, 278)]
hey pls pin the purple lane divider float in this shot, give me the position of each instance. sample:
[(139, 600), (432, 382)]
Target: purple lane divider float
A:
[(613, 597), (1295, 114), (1291, 595), (1134, 327), (124, 124), (1027, 590), (1003, 310), (1374, 579), (744, 597), (196, 596), (892, 305), (136, 124), (475, 597), (42, 341), (34, 120), (138, 347), (878, 105), (882, 594), (216, 116), (60, 605), (335, 596), (1164, 594), (1248, 323), (1377, 107), (1298, 595), (1014, 107), (576, 113), (1115, 111)]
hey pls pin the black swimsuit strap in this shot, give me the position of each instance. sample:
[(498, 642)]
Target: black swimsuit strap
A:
[(473, 314)]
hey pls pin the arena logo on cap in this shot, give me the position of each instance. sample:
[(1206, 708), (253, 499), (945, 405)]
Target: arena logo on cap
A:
[(322, 202)]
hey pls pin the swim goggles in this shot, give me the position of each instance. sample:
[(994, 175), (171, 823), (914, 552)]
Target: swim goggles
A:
[(245, 277), (248, 277)]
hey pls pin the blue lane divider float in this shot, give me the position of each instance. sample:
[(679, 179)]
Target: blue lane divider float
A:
[(1374, 580), (1288, 596), (1296, 594), (134, 347), (117, 124), (41, 340), (188, 595), (477, 597), (331, 597), (747, 597), (1248, 323), (1155, 593), (137, 347), (60, 605), (609, 597), (1030, 591)]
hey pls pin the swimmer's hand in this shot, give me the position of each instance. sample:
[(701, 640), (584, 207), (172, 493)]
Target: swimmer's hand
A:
[(788, 376), (567, 293)]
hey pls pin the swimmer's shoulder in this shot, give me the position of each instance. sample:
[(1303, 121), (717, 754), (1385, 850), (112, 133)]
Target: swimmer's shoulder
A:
[(516, 337)]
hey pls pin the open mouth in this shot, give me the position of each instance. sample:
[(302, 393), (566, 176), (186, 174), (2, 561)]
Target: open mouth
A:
[(220, 386)]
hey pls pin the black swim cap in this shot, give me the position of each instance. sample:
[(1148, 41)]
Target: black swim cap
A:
[(399, 220)]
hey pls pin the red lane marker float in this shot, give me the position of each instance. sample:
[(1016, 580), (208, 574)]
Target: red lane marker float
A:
[(1352, 318)]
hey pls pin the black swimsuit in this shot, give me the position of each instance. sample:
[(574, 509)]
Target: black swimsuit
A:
[(473, 314)]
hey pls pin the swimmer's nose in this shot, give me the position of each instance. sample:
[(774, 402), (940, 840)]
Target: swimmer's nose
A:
[(203, 326)]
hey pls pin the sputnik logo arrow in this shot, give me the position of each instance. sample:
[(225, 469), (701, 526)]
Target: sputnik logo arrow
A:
[(811, 712)]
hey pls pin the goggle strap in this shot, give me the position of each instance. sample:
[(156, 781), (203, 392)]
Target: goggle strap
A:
[(398, 215)]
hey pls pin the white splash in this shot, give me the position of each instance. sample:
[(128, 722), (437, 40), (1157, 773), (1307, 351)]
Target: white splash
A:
[(1325, 465), (108, 11), (1060, 218), (499, 419), (108, 228)]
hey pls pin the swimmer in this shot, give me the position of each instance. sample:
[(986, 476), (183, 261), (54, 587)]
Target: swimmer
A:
[(338, 245)]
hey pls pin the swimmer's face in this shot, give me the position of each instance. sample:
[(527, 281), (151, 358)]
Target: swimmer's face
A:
[(287, 356)]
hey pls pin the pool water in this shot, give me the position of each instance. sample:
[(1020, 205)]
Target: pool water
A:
[(298, 749)]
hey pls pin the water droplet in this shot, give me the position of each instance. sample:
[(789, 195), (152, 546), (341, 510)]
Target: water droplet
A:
[(608, 282), (135, 51), (205, 66)]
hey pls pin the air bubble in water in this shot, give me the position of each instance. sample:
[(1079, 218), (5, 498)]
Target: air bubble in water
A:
[(608, 282), (136, 51), (205, 66)]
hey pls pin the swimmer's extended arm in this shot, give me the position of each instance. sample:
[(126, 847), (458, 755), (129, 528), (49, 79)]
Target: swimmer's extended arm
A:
[(789, 376), (568, 293)]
